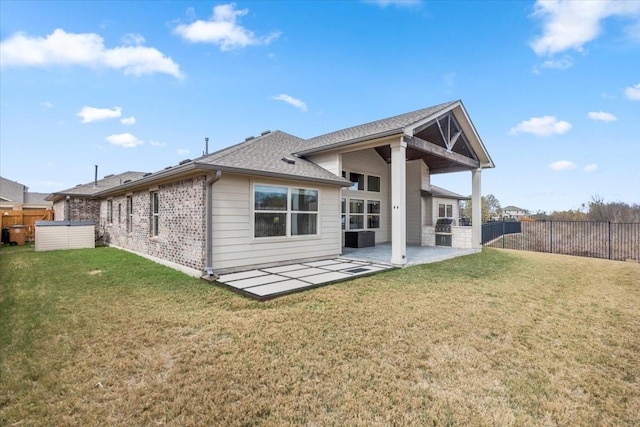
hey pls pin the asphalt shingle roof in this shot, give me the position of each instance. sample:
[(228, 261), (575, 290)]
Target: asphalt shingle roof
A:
[(109, 181), (265, 154), (379, 127), (441, 192)]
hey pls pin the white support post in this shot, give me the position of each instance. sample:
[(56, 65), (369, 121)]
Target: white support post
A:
[(476, 208), (398, 203)]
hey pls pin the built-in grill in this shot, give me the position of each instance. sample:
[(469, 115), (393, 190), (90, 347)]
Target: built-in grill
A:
[(443, 231)]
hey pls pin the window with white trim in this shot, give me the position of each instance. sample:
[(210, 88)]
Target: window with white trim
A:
[(155, 213), (343, 219), (373, 183), (129, 214), (358, 181), (445, 210), (373, 213), (356, 214), (284, 211), (109, 211)]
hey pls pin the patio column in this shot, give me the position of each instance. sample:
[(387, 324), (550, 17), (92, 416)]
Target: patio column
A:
[(398, 203), (476, 208)]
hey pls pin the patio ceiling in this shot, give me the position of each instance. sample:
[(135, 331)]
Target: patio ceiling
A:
[(441, 144)]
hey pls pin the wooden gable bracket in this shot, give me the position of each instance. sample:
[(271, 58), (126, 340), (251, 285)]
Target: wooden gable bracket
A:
[(448, 139), (431, 148)]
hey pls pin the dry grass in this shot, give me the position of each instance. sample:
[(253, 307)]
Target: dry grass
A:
[(499, 338)]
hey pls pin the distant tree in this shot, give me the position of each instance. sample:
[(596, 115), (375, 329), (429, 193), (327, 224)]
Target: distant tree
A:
[(490, 207), (596, 210)]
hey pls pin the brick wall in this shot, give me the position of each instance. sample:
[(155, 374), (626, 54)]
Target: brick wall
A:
[(182, 227)]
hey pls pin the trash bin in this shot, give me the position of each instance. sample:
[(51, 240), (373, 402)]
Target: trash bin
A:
[(5, 236), (17, 234)]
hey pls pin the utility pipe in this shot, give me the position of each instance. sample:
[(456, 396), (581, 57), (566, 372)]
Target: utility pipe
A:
[(209, 212)]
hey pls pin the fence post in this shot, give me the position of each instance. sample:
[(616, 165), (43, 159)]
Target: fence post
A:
[(551, 235), (609, 239)]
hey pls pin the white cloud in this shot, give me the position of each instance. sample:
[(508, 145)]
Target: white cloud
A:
[(133, 39), (291, 101), (88, 50), (556, 64), (182, 151), (124, 140), (46, 104), (128, 120), (91, 114), (541, 126), (602, 116), (222, 29), (590, 168), (562, 165), (399, 3), (157, 143), (633, 92), (570, 24)]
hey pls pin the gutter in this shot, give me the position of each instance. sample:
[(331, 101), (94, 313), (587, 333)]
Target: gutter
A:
[(209, 221)]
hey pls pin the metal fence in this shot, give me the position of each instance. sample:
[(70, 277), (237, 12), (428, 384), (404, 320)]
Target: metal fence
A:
[(610, 240)]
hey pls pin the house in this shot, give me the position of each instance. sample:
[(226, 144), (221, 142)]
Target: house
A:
[(277, 198), (16, 196), (514, 212), (444, 204), (80, 204)]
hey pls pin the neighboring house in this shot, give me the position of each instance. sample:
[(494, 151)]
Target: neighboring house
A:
[(16, 196), (278, 198), (80, 204), (514, 212)]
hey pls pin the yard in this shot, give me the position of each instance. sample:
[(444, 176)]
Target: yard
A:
[(102, 336)]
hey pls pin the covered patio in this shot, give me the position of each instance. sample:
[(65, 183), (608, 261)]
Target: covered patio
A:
[(415, 254)]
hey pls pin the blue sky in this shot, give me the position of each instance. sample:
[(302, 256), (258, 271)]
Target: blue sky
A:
[(553, 87)]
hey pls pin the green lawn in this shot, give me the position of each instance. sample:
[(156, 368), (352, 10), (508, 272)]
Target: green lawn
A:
[(102, 336)]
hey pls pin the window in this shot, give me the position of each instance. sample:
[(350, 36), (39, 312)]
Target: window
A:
[(373, 183), (109, 211), (445, 211), (356, 214), (276, 207), (358, 181), (373, 214), (129, 214), (155, 213), (304, 212), (343, 219)]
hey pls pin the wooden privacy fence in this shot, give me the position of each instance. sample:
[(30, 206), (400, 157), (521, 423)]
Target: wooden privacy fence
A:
[(26, 217)]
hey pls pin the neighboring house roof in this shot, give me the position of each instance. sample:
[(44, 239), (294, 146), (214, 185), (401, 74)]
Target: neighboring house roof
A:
[(443, 194), (513, 208), (92, 188), (12, 191), (36, 198), (376, 129)]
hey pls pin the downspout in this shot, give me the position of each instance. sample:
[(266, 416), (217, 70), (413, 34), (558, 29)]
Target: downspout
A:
[(208, 239)]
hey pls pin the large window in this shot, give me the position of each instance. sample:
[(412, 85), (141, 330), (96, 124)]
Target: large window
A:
[(373, 183), (445, 210), (358, 181), (373, 213), (129, 214), (155, 213), (284, 211), (356, 214)]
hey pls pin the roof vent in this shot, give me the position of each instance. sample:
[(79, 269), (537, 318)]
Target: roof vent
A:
[(185, 161), (78, 185), (126, 180), (289, 160), (147, 174), (168, 167), (249, 138), (265, 132), (108, 176)]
